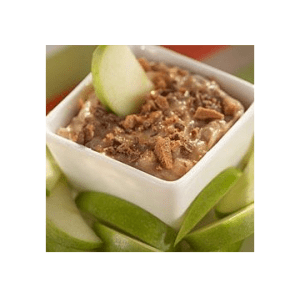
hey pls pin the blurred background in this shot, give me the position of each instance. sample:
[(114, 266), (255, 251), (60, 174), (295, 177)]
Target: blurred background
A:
[(67, 65)]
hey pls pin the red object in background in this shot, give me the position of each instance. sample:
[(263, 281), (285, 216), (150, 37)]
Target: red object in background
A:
[(53, 102), (196, 51)]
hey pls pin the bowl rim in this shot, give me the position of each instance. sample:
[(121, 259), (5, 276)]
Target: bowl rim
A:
[(73, 96)]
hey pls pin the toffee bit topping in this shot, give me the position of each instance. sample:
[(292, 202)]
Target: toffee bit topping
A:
[(205, 114), (179, 126), (230, 106), (195, 132), (163, 152), (129, 122), (162, 102), (89, 131)]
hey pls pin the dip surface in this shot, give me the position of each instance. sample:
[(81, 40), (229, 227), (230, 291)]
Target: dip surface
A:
[(177, 124)]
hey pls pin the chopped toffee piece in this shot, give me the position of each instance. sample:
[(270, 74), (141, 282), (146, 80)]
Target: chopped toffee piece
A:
[(180, 120), (163, 152), (204, 114)]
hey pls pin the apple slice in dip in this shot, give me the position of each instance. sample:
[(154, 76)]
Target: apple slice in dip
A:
[(119, 80)]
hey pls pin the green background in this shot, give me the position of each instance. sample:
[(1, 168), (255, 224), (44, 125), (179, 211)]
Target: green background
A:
[(29, 270)]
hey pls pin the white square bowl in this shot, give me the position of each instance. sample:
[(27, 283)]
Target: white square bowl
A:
[(168, 200)]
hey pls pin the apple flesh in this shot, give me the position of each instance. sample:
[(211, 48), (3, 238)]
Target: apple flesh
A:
[(223, 232), (115, 241), (119, 80), (64, 223)]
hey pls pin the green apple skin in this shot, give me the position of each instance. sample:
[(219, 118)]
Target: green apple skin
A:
[(119, 80), (64, 223), (234, 247), (115, 241), (128, 219), (247, 156), (96, 62), (54, 247), (53, 172), (207, 199), (58, 236), (224, 232), (183, 246), (242, 193)]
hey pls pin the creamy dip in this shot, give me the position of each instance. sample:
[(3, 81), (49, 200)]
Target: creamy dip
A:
[(178, 123)]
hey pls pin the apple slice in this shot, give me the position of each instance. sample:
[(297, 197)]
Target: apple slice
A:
[(234, 247), (54, 247), (226, 231), (247, 156), (52, 172), (64, 224), (127, 218), (119, 80), (115, 241), (242, 193), (207, 199)]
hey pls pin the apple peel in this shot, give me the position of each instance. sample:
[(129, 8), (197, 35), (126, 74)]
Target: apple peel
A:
[(53, 172), (241, 194), (128, 219), (224, 232), (64, 223), (207, 199), (115, 241), (119, 80)]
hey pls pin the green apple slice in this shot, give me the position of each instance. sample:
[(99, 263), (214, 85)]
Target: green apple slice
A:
[(119, 80), (223, 232), (207, 199), (234, 247), (241, 194), (115, 241), (247, 156), (127, 218), (54, 247), (64, 224), (53, 172)]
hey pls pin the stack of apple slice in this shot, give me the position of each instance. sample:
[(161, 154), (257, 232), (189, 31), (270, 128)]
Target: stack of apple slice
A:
[(224, 233), (120, 226), (242, 194), (124, 226), (65, 228)]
